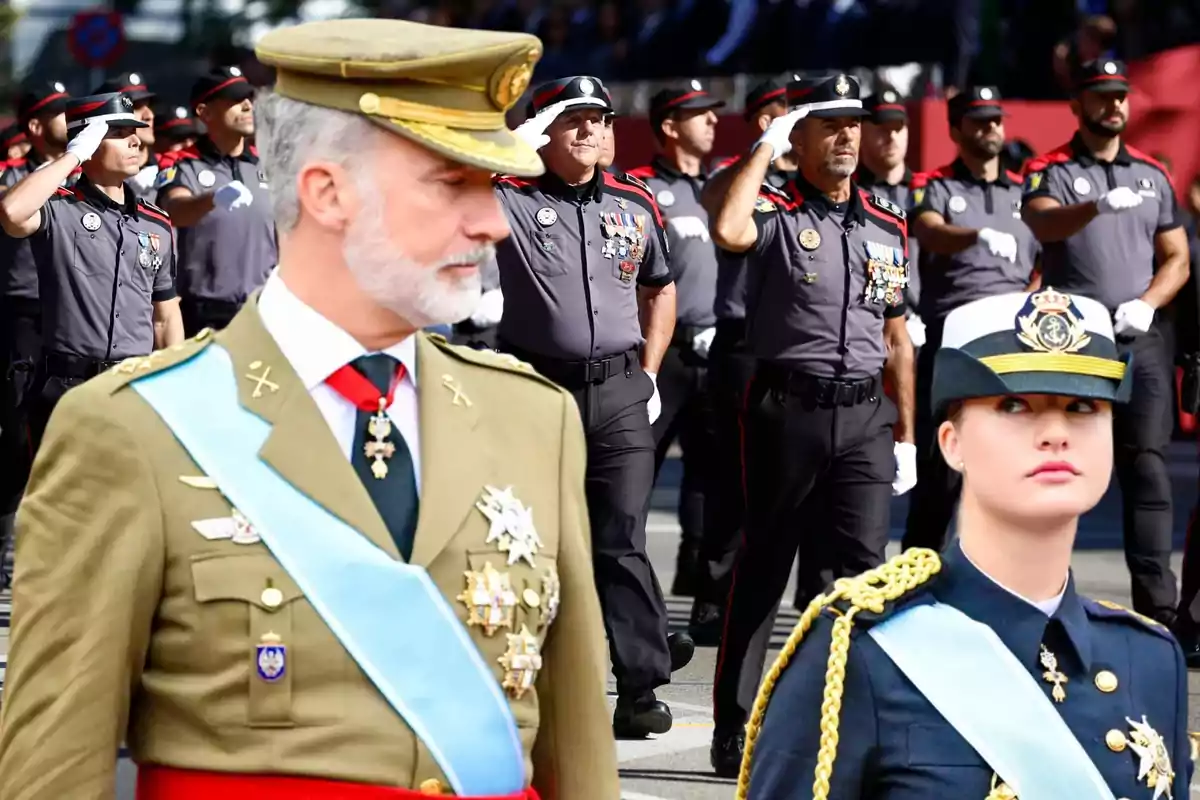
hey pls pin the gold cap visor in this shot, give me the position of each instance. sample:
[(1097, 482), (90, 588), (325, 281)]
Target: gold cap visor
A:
[(497, 151)]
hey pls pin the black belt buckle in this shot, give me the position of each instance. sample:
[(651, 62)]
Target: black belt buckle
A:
[(595, 372)]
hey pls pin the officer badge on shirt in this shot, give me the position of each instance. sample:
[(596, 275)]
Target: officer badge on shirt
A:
[(1145, 187), (887, 274), (1050, 323), (271, 657)]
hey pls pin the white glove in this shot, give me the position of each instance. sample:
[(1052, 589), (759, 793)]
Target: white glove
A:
[(916, 330), (232, 196), (146, 177), (85, 145), (533, 130), (702, 342), (490, 309), (906, 468), (689, 228), (1119, 199), (778, 134), (999, 243), (654, 404), (1135, 315)]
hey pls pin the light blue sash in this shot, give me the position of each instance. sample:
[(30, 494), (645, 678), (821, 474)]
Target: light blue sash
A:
[(388, 615), (980, 687)]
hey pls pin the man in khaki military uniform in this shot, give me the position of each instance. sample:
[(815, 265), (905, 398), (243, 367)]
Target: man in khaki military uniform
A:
[(275, 569)]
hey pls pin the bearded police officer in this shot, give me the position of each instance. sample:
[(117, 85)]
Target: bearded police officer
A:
[(216, 193), (105, 260), (589, 302), (967, 216), (826, 310), (1107, 219), (730, 366), (133, 86), (684, 122)]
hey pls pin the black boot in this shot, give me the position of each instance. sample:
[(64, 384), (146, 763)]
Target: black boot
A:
[(682, 649), (725, 755), (639, 716), (707, 624)]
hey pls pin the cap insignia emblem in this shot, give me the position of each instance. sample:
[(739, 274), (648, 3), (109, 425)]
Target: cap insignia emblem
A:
[(126, 103), (985, 93), (842, 87), (1050, 323), (1110, 68), (511, 80), (586, 86), (235, 72), (58, 87), (180, 112), (889, 96), (696, 86), (135, 79)]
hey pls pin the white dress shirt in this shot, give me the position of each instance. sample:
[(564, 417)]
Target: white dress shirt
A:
[(1047, 607), (317, 348)]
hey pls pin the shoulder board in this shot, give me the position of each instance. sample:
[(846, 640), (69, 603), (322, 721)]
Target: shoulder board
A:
[(489, 358), (136, 367), (884, 204), (154, 212), (61, 192), (922, 179), (1106, 609), (170, 159), (634, 180), (513, 182), (1059, 155), (642, 173), (626, 182)]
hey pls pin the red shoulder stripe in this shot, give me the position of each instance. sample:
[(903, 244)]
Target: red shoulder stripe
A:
[(15, 162), (154, 214), (513, 180), (782, 199), (641, 173), (874, 210), (921, 179), (167, 160), (727, 162), (254, 151), (61, 192), (1059, 155), (1015, 177), (616, 183), (1138, 155)]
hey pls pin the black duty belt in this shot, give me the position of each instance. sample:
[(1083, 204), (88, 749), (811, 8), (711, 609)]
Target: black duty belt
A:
[(817, 391), (573, 374), (61, 365), (225, 308)]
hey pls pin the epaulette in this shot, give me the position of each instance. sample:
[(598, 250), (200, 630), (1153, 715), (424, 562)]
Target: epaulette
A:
[(489, 358), (635, 181), (887, 205), (1106, 609), (870, 592), (139, 366), (764, 205), (61, 192), (513, 181), (154, 211)]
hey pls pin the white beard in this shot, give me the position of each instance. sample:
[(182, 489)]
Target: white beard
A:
[(415, 292)]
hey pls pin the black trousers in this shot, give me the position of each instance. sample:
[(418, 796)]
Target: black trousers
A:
[(199, 314), (933, 500), (620, 475), (730, 368), (687, 416), (1141, 434), (795, 452), (20, 352)]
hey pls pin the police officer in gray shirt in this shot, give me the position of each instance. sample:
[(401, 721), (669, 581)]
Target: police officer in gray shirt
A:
[(825, 302), (105, 259), (133, 86), (219, 199), (479, 330), (41, 115), (684, 122), (967, 216), (1111, 230), (589, 302)]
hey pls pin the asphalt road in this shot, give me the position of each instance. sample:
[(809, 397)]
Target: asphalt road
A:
[(675, 766)]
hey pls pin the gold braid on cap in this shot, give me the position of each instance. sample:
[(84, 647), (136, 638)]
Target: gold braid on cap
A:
[(869, 591)]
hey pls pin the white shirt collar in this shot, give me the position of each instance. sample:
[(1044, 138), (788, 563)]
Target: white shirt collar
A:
[(1047, 607), (316, 347)]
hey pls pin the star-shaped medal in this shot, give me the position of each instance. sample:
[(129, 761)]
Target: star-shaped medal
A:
[(1154, 761), (511, 526)]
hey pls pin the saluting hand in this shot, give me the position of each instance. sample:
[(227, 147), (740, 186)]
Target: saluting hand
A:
[(87, 141), (533, 130), (778, 134)]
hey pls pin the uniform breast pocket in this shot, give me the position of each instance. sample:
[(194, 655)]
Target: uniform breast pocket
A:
[(245, 638), (95, 255), (932, 745), (547, 254)]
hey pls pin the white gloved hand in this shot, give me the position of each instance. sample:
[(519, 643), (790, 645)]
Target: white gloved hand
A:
[(533, 130), (999, 243), (702, 342), (778, 134), (146, 177), (906, 468), (654, 404), (490, 309), (689, 228), (1119, 199), (1135, 315), (232, 196), (916, 330), (85, 145)]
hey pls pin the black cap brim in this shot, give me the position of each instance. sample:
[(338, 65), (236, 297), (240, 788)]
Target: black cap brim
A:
[(140, 95), (1114, 85), (883, 115), (832, 113), (52, 109), (235, 92), (697, 104), (961, 376)]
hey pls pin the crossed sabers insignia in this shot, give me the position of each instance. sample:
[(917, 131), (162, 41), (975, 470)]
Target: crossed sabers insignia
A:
[(261, 381)]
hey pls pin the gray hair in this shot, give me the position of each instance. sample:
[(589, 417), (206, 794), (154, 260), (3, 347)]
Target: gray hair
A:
[(290, 133)]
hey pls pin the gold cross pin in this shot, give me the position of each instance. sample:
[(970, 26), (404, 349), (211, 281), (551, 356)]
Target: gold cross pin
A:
[(460, 399), (1052, 675), (261, 380)]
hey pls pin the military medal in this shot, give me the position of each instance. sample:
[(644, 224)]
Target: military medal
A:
[(1052, 675), (271, 657), (521, 662), (1000, 790), (490, 599), (354, 386), (551, 588), (511, 527), (1154, 760)]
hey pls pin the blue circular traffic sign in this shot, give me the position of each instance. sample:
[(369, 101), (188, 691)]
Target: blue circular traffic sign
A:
[(97, 38)]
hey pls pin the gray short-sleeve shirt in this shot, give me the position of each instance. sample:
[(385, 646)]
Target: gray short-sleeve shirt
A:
[(227, 254), (1112, 259), (965, 201), (18, 272), (571, 268), (101, 267)]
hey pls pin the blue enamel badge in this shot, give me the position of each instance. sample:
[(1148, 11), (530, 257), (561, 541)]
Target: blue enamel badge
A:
[(271, 658)]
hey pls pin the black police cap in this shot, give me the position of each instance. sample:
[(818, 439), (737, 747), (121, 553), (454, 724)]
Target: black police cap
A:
[(581, 90), (835, 96), (130, 83), (886, 105), (1101, 75), (41, 98), (114, 108), (772, 90), (975, 102), (13, 134), (221, 83), (175, 122), (692, 97)]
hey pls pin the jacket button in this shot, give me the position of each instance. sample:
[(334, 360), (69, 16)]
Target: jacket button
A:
[(431, 786)]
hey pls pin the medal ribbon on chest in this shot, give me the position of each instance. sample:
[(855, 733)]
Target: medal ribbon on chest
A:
[(354, 386)]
